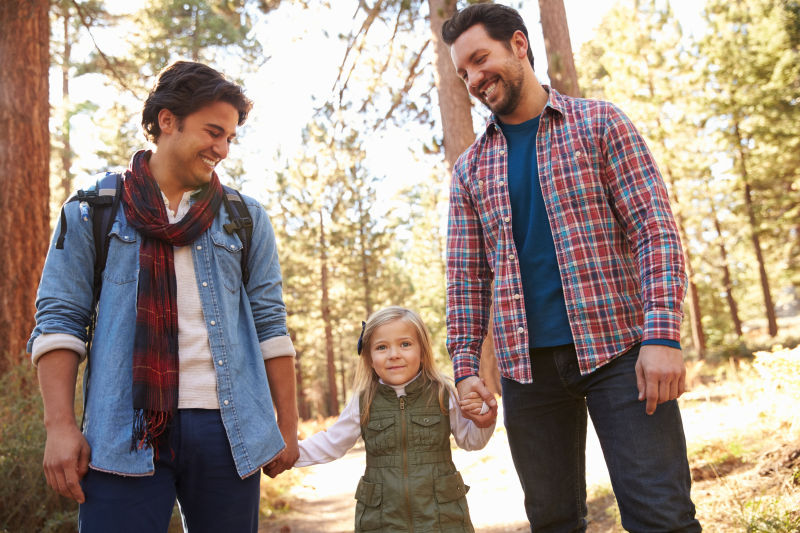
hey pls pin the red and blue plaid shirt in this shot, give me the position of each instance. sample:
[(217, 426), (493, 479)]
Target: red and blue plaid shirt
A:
[(618, 250)]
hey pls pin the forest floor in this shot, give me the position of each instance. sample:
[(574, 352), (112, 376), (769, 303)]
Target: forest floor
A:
[(742, 425)]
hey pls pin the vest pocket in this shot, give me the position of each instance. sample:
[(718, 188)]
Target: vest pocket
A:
[(425, 429), (450, 492), (380, 434), (368, 505)]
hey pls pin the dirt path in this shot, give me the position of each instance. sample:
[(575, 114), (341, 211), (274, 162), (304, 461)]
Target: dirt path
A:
[(322, 501)]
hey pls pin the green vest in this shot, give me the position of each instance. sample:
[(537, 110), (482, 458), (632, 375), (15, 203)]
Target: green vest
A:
[(410, 484)]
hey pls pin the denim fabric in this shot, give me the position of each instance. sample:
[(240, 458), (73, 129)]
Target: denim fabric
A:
[(237, 318), (645, 455), (196, 466)]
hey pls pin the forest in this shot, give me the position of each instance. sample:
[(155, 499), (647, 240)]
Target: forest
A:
[(718, 103)]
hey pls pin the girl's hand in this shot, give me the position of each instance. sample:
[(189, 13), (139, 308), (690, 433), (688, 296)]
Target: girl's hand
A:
[(473, 404)]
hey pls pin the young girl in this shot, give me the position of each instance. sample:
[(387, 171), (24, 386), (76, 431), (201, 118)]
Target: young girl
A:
[(405, 410)]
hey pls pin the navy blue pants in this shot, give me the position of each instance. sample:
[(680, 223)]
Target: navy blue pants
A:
[(201, 474), (646, 455)]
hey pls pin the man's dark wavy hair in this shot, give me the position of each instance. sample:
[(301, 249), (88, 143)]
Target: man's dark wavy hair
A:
[(184, 87), (499, 21)]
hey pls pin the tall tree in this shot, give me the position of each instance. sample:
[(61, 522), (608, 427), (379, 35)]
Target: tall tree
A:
[(25, 160), (560, 61), (752, 71)]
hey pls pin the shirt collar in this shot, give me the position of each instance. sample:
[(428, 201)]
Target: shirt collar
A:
[(555, 101)]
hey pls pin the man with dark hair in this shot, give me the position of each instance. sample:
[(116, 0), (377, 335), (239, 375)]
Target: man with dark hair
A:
[(560, 218), (190, 361)]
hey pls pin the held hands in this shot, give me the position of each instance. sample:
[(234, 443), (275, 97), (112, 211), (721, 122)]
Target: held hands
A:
[(660, 375), (66, 460), (287, 458), (474, 396)]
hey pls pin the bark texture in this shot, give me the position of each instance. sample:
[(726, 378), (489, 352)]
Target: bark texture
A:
[(560, 63), (25, 160)]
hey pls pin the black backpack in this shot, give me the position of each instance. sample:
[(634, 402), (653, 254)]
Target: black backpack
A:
[(103, 202)]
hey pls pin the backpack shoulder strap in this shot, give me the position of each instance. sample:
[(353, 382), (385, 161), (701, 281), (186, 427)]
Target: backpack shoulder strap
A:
[(109, 193), (100, 203), (241, 223)]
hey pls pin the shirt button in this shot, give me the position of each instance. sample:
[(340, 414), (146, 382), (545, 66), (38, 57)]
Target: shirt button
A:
[(502, 152), (577, 153), (199, 247), (507, 219), (516, 296), (233, 246), (226, 402), (205, 284), (520, 330), (500, 182), (219, 362), (213, 322), (480, 183), (511, 256)]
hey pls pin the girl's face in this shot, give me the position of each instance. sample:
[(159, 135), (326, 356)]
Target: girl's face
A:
[(395, 352)]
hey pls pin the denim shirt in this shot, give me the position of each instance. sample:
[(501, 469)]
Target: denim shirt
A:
[(237, 319)]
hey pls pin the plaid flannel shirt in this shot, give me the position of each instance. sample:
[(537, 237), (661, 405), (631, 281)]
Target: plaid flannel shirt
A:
[(617, 246)]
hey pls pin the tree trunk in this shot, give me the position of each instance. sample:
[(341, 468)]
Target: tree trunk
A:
[(303, 410), (333, 396), (66, 149), (456, 110), (362, 242), (25, 160), (772, 323), (454, 103), (560, 63), (726, 275), (696, 316)]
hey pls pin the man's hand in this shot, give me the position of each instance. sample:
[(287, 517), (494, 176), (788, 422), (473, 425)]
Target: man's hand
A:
[(288, 457), (475, 384), (66, 460), (66, 452), (281, 377), (660, 375)]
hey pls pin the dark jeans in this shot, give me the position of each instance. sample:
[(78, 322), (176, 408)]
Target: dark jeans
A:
[(201, 474), (645, 455)]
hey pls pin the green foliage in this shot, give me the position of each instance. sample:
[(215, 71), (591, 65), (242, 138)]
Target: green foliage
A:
[(30, 505), (769, 516)]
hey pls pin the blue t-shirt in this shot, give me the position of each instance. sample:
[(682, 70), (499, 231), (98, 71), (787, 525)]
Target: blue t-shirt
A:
[(541, 282)]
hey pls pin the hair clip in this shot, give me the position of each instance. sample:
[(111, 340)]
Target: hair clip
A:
[(360, 345)]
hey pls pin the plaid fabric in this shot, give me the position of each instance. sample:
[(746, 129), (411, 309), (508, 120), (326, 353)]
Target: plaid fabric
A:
[(155, 345), (618, 250)]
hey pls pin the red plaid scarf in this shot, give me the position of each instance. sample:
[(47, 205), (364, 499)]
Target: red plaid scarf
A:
[(155, 346)]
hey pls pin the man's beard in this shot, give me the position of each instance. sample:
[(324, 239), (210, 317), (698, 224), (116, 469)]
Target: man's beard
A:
[(512, 92)]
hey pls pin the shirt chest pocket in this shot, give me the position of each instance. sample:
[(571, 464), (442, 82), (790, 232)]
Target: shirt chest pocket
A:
[(228, 257), (122, 263)]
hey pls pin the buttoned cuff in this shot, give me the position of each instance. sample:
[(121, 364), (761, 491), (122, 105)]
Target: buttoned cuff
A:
[(48, 342), (662, 324), (277, 347), (464, 366), (663, 342)]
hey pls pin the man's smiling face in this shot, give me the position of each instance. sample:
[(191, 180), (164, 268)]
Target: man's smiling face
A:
[(493, 73)]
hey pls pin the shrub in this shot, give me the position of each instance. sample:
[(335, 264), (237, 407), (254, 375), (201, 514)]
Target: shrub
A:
[(29, 504)]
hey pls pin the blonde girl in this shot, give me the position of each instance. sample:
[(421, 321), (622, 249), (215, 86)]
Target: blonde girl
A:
[(405, 410)]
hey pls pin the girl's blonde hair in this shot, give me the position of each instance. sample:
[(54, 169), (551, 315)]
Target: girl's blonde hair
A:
[(366, 380)]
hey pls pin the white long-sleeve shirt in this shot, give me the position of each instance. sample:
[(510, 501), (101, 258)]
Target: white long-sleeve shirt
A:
[(325, 446)]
